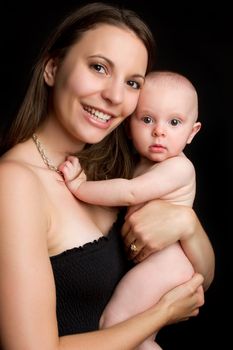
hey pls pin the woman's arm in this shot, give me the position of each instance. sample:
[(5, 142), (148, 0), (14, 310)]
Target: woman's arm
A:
[(27, 290), (159, 224), (183, 300), (198, 248)]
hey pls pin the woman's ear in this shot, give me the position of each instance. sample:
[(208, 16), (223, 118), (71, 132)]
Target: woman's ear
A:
[(50, 72), (195, 129)]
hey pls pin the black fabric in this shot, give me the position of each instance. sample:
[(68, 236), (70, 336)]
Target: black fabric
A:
[(85, 279)]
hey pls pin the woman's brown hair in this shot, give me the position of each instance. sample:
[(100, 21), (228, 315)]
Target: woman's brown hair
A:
[(111, 157)]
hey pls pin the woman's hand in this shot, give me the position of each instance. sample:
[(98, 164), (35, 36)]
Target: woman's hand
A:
[(154, 226), (183, 301), (158, 224)]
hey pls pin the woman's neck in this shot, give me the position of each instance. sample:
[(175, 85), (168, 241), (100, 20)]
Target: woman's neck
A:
[(57, 143)]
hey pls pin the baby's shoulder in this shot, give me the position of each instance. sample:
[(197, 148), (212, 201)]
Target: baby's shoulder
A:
[(175, 166), (177, 161)]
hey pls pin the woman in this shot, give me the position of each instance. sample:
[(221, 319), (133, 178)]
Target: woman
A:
[(60, 259)]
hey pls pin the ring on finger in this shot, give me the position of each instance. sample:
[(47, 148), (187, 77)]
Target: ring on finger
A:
[(133, 247)]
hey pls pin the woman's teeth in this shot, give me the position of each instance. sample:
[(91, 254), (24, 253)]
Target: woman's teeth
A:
[(97, 114)]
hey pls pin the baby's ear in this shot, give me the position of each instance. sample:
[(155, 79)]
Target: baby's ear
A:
[(50, 72), (195, 129)]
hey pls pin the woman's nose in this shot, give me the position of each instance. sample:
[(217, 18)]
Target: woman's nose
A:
[(114, 91)]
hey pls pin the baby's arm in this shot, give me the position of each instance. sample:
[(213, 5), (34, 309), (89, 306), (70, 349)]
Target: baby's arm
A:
[(162, 179), (73, 173)]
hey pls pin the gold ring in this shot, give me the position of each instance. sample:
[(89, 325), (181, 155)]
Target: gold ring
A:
[(133, 247)]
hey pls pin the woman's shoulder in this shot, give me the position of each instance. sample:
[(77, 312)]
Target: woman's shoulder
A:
[(21, 189), (12, 169), (15, 172)]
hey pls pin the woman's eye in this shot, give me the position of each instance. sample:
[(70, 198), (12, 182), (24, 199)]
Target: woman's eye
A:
[(175, 122), (134, 84), (99, 68), (147, 119)]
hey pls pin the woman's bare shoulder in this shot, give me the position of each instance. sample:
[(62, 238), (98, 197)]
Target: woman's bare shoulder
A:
[(19, 182), (21, 193), (15, 172)]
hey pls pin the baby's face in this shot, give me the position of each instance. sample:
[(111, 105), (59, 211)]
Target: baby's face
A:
[(164, 121)]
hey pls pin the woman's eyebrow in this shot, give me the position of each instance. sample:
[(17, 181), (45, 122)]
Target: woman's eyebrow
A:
[(111, 63)]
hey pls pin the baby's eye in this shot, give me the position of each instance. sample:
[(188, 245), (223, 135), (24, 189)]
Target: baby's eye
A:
[(147, 119), (175, 122), (99, 68), (134, 84)]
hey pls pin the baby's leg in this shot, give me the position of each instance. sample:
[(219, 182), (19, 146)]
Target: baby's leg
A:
[(149, 344), (144, 285)]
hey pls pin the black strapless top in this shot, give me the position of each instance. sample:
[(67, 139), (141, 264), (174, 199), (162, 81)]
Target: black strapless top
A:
[(85, 278)]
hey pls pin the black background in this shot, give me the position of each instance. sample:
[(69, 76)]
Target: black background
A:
[(198, 43)]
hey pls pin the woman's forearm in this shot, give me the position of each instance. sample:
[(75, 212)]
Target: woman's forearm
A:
[(126, 335), (178, 304), (160, 223), (197, 247)]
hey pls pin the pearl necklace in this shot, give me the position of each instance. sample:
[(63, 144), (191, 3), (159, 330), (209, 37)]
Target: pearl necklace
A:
[(46, 160)]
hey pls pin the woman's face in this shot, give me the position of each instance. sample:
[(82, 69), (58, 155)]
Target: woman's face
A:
[(97, 85)]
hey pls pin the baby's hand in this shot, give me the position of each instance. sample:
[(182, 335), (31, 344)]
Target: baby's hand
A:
[(71, 169)]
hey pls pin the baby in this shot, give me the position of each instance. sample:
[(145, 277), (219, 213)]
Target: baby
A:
[(164, 121)]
